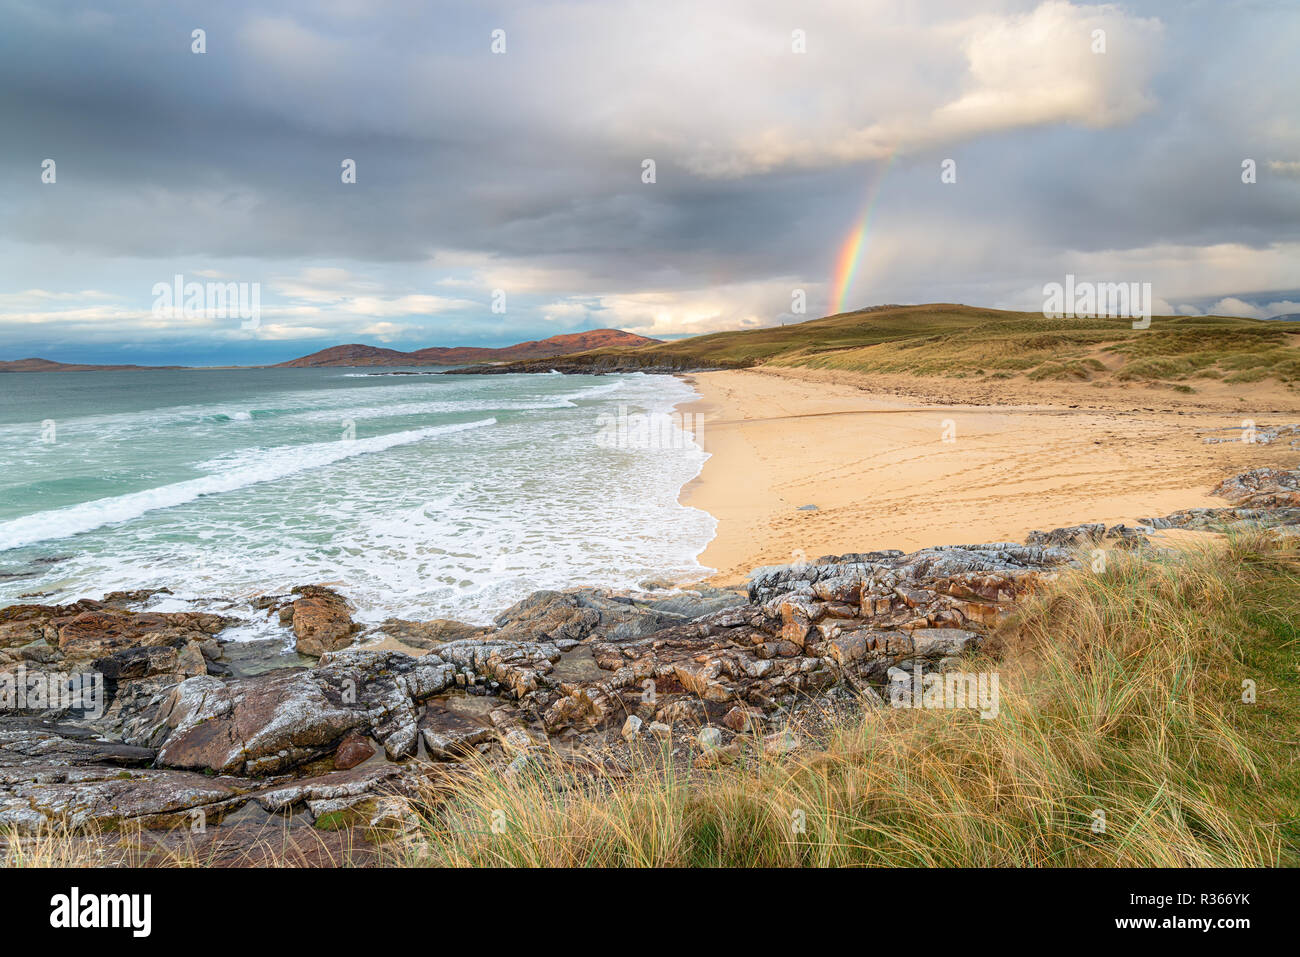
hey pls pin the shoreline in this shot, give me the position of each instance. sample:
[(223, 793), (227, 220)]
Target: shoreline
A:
[(873, 460), (350, 734)]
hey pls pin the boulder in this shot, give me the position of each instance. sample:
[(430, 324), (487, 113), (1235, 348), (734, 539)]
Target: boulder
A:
[(352, 750), (99, 633), (275, 721), (427, 634), (631, 728), (575, 614), (322, 620), (709, 738), (106, 797), (1261, 488), (450, 734)]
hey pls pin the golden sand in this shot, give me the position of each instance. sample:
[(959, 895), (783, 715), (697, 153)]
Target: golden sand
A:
[(906, 463)]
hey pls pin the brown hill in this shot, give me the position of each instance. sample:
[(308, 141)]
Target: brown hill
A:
[(353, 354), (48, 365), (363, 355)]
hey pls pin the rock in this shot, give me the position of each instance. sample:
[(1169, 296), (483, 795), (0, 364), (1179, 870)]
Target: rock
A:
[(1069, 536), (292, 734), (352, 750), (106, 797), (99, 633), (1005, 564), (688, 604), (121, 599), (449, 734), (337, 785), (740, 719), (715, 757), (322, 620), (137, 663), (631, 728), (34, 743), (259, 725), (682, 711), (782, 742), (1261, 488), (23, 624), (1218, 518), (272, 722), (427, 634), (519, 740), (246, 659), (191, 660), (575, 614), (942, 642), (520, 668), (378, 816), (521, 763)]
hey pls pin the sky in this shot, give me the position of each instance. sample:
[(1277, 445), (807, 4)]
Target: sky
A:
[(807, 157)]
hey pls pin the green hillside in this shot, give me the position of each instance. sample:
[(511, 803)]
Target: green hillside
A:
[(944, 339)]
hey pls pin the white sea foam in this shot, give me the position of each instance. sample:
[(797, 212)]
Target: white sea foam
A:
[(461, 526), (251, 468)]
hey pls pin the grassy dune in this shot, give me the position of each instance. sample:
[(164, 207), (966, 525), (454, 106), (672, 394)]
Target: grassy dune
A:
[(1121, 692), (954, 340)]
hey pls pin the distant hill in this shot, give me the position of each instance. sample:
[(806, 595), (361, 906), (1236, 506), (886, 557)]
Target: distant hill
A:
[(947, 339), (46, 365), (357, 354), (354, 354)]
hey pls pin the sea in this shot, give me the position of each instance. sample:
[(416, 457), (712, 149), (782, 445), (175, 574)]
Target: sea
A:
[(420, 495)]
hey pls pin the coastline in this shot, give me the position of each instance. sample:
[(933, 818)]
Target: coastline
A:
[(361, 731), (870, 455)]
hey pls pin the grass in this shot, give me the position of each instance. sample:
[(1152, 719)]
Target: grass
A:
[(1121, 692), (128, 844), (962, 341)]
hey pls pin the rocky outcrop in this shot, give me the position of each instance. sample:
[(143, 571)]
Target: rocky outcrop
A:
[(580, 612), (972, 571), (91, 629), (1091, 534), (809, 628), (1261, 488), (1257, 436), (1219, 518), (321, 620), (190, 728), (276, 721), (425, 634)]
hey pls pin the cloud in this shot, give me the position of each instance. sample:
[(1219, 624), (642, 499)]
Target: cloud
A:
[(1233, 306), (1060, 63), (1020, 70), (522, 172), (696, 311)]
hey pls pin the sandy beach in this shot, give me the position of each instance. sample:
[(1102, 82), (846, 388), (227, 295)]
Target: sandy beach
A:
[(871, 456)]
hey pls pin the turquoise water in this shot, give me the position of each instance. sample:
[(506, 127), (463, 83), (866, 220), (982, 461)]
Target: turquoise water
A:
[(419, 496)]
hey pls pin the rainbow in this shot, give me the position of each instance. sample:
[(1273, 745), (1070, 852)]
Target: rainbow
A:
[(846, 262)]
